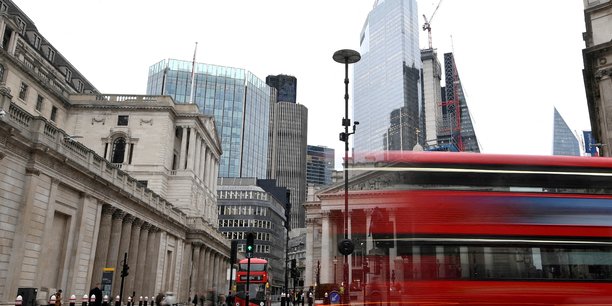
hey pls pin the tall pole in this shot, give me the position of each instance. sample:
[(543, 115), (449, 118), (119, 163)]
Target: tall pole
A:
[(346, 57)]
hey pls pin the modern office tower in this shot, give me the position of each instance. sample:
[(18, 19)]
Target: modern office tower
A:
[(252, 205), (238, 100), (319, 165), (455, 129), (564, 140), (287, 154), (597, 56), (387, 86), (432, 75), (287, 143), (285, 85)]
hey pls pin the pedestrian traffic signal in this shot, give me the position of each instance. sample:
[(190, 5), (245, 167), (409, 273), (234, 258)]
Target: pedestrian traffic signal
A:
[(250, 244)]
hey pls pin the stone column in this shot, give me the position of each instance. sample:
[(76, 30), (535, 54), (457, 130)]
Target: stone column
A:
[(133, 257), (151, 261), (184, 289), (369, 239), (207, 169), (214, 269), (195, 270), (207, 270), (202, 158), (203, 269), (181, 165), (142, 257), (192, 145), (196, 158), (309, 271), (126, 233), (113, 247), (326, 268), (104, 235)]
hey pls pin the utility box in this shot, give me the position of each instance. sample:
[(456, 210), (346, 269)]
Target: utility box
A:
[(28, 295)]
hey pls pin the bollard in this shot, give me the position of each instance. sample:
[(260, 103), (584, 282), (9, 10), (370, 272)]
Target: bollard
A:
[(146, 300), (105, 300), (129, 301), (84, 300), (72, 300), (117, 301), (18, 300), (140, 301), (52, 300)]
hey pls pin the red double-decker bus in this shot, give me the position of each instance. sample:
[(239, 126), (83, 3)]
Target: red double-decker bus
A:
[(480, 229), (258, 276)]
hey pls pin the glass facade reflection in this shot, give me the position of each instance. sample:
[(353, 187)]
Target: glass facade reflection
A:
[(238, 100), (387, 92), (564, 140)]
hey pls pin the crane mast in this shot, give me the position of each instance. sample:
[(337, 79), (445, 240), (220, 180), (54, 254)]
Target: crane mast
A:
[(427, 24)]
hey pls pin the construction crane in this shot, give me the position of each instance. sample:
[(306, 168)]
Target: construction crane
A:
[(427, 25)]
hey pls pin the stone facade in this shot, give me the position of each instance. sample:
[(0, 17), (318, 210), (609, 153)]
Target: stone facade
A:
[(87, 178), (598, 70)]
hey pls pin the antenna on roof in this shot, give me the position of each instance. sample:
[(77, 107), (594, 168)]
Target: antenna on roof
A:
[(193, 73)]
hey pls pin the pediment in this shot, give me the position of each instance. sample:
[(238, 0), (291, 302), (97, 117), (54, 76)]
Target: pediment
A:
[(365, 181)]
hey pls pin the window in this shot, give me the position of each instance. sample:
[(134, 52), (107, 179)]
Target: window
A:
[(122, 120), (51, 55), (68, 75), (23, 91), (39, 103), (1, 72), (37, 42), (118, 150), (53, 113), (22, 25), (143, 184), (3, 7)]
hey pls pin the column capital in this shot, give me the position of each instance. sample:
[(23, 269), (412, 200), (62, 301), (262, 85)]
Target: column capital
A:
[(108, 209), (128, 218), (137, 223), (118, 214), (145, 226)]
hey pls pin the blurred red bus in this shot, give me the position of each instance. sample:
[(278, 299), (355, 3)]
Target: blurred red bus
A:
[(463, 228), (259, 277)]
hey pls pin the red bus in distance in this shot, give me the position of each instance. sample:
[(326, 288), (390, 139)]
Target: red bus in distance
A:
[(259, 277)]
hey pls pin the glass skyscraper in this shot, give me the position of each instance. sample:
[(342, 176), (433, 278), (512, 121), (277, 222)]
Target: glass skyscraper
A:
[(387, 84), (238, 100), (319, 165), (564, 140)]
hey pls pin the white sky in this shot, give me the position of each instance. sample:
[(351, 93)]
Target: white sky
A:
[(516, 58)]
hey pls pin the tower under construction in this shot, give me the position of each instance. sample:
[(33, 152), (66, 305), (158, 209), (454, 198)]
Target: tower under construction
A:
[(455, 131)]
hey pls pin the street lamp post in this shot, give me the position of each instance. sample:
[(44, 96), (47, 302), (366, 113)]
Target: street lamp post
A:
[(346, 247)]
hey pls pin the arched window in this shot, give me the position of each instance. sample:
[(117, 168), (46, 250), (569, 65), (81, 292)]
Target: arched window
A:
[(118, 151)]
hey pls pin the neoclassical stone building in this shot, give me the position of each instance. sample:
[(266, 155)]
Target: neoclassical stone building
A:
[(87, 178)]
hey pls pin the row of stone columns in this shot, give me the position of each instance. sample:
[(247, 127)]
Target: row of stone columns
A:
[(196, 156), (209, 270), (122, 233), (328, 249)]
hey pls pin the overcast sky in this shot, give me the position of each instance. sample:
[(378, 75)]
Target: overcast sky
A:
[(516, 58)]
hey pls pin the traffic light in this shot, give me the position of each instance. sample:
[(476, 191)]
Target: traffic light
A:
[(250, 244), (125, 270), (233, 252)]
